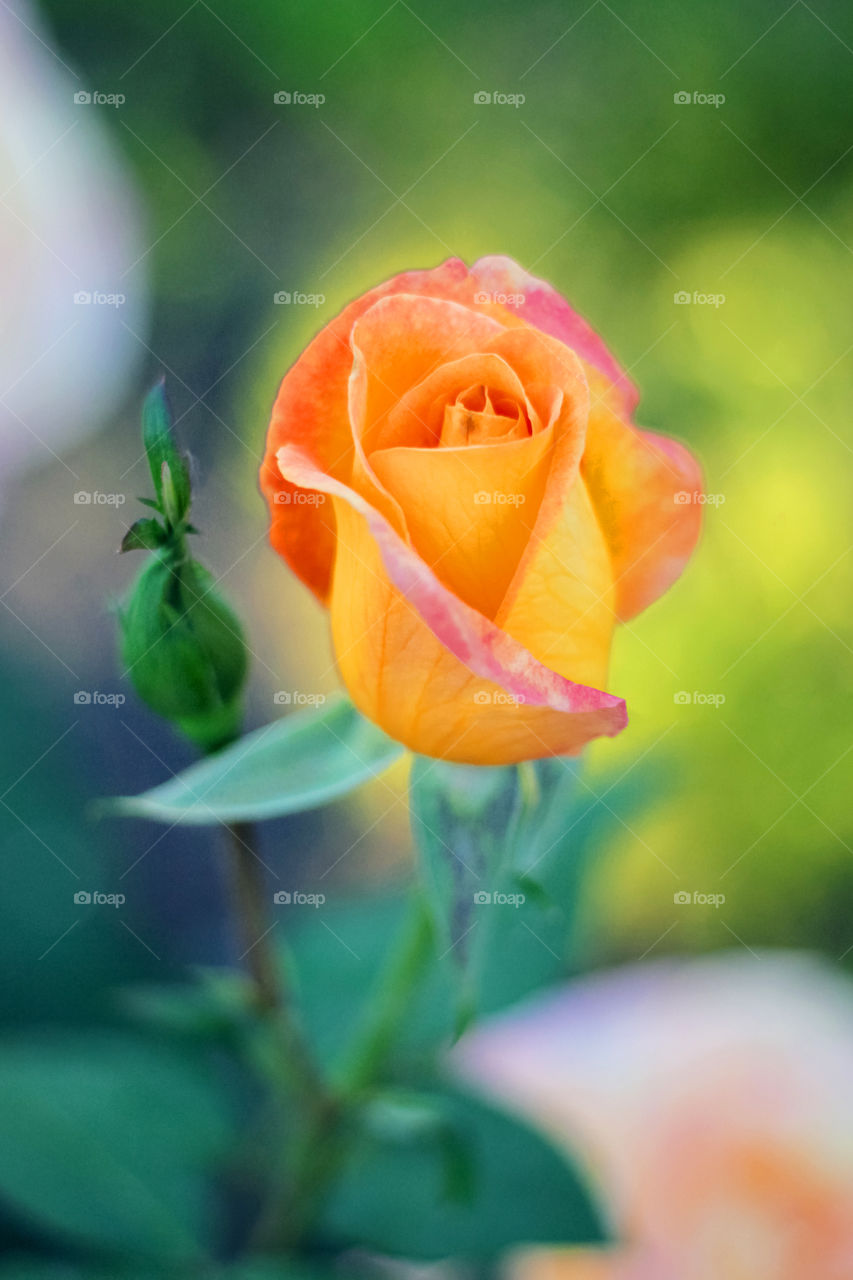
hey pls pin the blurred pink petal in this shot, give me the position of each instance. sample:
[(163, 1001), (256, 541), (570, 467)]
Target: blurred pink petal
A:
[(712, 1100)]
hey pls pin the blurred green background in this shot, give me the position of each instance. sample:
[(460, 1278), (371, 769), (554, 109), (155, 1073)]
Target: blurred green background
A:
[(622, 197)]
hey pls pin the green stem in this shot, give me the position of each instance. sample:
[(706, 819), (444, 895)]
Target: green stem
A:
[(401, 975), (271, 991), (284, 1216), (326, 1137), (300, 1186), (253, 916)]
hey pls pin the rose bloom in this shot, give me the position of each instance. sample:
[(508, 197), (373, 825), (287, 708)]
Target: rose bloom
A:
[(710, 1099), (451, 467)]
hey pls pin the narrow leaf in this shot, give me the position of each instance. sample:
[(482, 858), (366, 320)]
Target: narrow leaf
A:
[(163, 457), (299, 762)]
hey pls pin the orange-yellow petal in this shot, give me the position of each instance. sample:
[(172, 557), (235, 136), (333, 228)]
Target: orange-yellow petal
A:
[(429, 669), (538, 303), (560, 605), (644, 488), (469, 510), (311, 411), (400, 340), (418, 418)]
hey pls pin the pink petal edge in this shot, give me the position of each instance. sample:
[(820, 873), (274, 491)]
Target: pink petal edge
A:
[(548, 310), (485, 649)]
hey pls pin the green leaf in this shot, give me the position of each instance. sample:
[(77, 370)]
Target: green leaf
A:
[(463, 818), (107, 1143), (299, 762), (394, 1197), (144, 535), (168, 469)]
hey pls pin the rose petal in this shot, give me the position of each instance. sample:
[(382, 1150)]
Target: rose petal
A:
[(400, 340), (417, 419), (386, 600), (469, 510), (472, 513), (560, 605), (542, 306), (635, 479), (311, 410)]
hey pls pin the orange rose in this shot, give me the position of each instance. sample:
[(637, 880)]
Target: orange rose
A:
[(452, 469)]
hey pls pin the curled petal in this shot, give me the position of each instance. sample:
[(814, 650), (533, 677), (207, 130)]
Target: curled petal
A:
[(432, 671), (311, 411)]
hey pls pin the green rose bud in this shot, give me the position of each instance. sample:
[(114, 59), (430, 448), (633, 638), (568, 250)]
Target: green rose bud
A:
[(184, 650), (182, 645)]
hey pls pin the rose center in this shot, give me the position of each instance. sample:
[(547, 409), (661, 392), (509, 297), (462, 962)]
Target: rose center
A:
[(481, 416)]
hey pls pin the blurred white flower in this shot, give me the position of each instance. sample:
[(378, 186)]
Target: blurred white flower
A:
[(69, 227), (711, 1099)]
